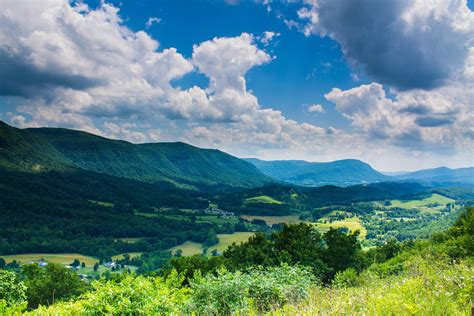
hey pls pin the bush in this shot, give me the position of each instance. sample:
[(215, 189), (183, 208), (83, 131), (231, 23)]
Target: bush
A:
[(346, 278), (264, 290), (130, 296)]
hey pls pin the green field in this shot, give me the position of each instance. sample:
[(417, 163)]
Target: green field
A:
[(262, 199), (225, 240), (353, 224), (189, 248), (63, 258), (132, 255), (424, 205), (270, 220)]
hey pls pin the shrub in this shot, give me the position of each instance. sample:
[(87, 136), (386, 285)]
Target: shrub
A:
[(264, 290), (346, 278), (130, 296)]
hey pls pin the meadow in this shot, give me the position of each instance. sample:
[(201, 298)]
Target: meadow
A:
[(188, 248), (63, 258), (225, 240), (433, 203)]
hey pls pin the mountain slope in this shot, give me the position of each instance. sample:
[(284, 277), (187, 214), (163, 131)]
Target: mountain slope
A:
[(441, 175), (340, 172), (178, 163), (22, 151), (56, 149)]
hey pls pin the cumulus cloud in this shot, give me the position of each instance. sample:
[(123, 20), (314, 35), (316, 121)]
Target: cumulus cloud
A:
[(316, 108), (78, 67), (425, 120), (408, 43)]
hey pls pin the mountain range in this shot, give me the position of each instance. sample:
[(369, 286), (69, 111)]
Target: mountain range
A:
[(185, 166), (342, 172), (352, 172)]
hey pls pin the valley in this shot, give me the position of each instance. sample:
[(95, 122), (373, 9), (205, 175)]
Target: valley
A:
[(106, 209)]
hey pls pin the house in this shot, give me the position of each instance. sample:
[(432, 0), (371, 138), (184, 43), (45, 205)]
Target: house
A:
[(110, 264)]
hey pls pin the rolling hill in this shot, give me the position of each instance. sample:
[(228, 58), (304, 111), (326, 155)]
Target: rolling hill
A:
[(46, 149), (341, 172)]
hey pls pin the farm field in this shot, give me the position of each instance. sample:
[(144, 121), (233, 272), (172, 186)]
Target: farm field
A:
[(352, 223), (189, 248), (424, 205), (63, 258), (132, 255), (263, 199), (270, 220), (225, 240)]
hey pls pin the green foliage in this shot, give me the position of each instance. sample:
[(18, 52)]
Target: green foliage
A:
[(12, 291), (346, 278), (50, 284), (264, 290), (129, 296)]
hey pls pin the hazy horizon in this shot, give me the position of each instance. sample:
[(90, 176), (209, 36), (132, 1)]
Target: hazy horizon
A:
[(393, 85)]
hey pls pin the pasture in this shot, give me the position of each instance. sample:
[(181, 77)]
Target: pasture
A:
[(63, 258), (225, 240), (434, 203), (189, 248)]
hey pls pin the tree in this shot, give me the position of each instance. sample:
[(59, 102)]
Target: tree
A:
[(83, 264), (2, 263), (342, 250), (53, 283), (76, 263), (96, 267)]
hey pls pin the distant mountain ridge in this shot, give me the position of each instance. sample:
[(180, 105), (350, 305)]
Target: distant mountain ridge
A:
[(58, 149), (441, 175), (341, 172)]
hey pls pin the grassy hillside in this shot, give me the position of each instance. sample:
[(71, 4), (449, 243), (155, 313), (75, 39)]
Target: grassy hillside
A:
[(178, 163), (341, 172)]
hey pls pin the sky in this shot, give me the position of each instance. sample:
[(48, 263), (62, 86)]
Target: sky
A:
[(388, 82)]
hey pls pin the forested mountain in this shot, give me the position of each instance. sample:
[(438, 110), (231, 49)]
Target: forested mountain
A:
[(441, 175), (340, 172), (42, 149)]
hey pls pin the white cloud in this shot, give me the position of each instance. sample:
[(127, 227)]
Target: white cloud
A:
[(267, 37), (152, 20), (316, 108)]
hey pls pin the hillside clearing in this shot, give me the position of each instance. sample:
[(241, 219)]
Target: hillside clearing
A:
[(265, 199)]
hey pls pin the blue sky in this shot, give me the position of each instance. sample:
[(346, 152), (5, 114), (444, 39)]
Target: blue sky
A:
[(390, 83)]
